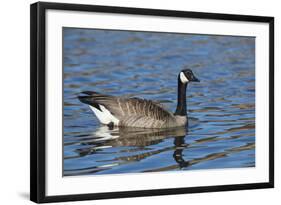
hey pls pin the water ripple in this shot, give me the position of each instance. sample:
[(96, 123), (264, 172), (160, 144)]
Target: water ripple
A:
[(221, 108)]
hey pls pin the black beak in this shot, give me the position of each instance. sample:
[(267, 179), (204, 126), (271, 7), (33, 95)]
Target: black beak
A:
[(194, 79)]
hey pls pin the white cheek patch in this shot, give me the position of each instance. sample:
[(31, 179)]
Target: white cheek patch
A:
[(183, 78)]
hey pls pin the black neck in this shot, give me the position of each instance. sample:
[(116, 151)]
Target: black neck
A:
[(181, 107)]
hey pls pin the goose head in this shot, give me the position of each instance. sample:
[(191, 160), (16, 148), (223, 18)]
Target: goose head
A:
[(187, 75)]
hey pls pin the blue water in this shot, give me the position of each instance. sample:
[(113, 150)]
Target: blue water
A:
[(221, 108)]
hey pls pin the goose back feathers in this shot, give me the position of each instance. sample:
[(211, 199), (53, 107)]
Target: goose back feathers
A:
[(130, 112)]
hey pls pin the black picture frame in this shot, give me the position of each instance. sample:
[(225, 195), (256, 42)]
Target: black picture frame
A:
[(38, 101)]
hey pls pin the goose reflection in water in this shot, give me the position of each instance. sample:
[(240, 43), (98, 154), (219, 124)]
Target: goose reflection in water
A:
[(136, 145), (140, 138)]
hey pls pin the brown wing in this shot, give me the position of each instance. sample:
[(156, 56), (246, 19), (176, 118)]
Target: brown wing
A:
[(126, 107)]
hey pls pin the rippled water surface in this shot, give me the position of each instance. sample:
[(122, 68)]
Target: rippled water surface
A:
[(221, 108)]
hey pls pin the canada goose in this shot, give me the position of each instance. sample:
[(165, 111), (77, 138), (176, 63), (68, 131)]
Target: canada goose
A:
[(135, 112)]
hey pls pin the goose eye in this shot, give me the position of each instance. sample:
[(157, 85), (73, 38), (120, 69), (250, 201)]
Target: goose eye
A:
[(188, 74)]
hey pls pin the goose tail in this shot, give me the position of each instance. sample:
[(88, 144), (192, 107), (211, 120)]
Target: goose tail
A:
[(88, 97), (103, 114)]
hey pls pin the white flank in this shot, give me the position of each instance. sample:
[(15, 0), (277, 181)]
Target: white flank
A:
[(183, 78), (104, 116)]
